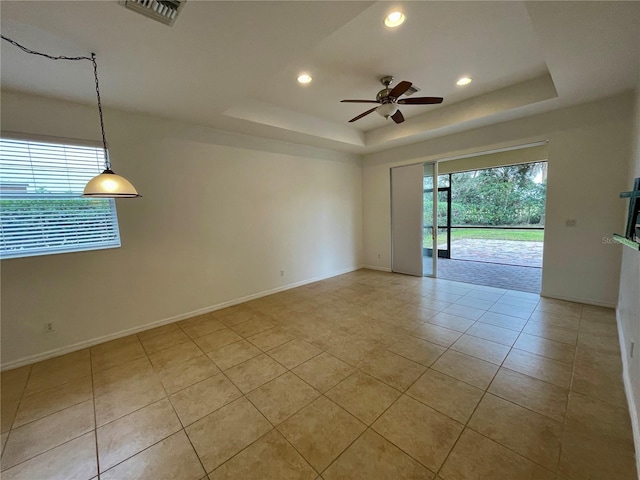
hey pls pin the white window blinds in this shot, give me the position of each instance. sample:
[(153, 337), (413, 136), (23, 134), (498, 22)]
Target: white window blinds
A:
[(42, 210)]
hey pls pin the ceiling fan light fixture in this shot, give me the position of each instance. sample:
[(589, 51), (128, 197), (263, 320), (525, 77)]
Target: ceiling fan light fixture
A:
[(394, 19), (304, 78), (462, 81), (387, 109)]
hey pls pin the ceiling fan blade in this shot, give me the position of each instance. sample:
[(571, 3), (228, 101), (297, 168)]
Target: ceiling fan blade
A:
[(398, 117), (420, 101), (362, 115), (359, 101), (400, 89)]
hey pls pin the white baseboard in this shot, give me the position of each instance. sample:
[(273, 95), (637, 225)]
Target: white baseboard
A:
[(158, 323), (375, 267), (587, 301), (633, 408)]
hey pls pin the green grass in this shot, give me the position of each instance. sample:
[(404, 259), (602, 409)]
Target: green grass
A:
[(488, 234), (494, 234)]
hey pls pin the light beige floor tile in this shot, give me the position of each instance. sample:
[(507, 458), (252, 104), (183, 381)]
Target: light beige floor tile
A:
[(541, 397), (223, 433), (469, 369), (204, 327), (255, 325), (37, 437), (420, 431), (255, 372), (476, 457), (218, 339), (493, 333), (598, 327), (363, 396), (599, 375), (233, 354), (52, 365), (481, 348), (464, 311), (513, 310), (175, 355), (452, 322), (204, 397), (3, 440), (282, 397), (187, 322), (608, 343), (393, 369), (132, 433), (53, 400), (321, 431), (128, 397), (160, 342), (556, 320), (417, 350), (293, 353), (269, 458), (154, 332), (122, 375), (539, 367), (171, 459), (354, 349), (58, 374), (546, 348), (74, 460), (530, 434), (270, 338), (323, 371), (373, 457), (594, 418), (552, 333), (560, 307), (435, 334), (116, 352), (446, 394), (475, 303), (504, 321), (182, 375), (8, 410), (586, 457)]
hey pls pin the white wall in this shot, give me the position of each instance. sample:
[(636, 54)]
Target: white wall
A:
[(221, 215), (629, 300), (589, 150)]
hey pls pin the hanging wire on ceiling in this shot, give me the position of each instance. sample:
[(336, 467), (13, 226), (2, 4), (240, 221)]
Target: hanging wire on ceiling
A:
[(128, 190)]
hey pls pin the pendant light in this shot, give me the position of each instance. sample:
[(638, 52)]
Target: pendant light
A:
[(107, 184)]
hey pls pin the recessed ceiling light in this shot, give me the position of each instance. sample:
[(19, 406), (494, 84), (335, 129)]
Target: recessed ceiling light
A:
[(462, 81), (305, 78), (394, 19)]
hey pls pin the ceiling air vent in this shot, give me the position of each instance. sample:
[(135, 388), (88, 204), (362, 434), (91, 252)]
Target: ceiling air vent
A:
[(163, 11)]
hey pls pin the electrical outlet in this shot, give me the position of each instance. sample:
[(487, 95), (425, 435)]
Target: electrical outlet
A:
[(633, 344), (379, 256), (571, 222), (49, 327), (282, 273)]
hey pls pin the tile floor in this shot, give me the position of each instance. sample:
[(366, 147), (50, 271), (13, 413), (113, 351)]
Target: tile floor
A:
[(367, 375)]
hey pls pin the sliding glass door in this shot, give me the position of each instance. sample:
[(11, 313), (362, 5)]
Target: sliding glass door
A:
[(412, 220), (429, 208)]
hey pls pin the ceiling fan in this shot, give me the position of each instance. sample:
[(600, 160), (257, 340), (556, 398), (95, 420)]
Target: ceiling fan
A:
[(389, 101)]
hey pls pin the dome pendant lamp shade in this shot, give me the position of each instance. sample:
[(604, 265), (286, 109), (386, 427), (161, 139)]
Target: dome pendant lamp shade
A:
[(110, 185), (107, 184)]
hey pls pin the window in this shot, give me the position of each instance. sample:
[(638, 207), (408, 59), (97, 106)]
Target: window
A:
[(42, 210)]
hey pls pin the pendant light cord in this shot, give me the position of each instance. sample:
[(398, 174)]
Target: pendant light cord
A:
[(92, 59)]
